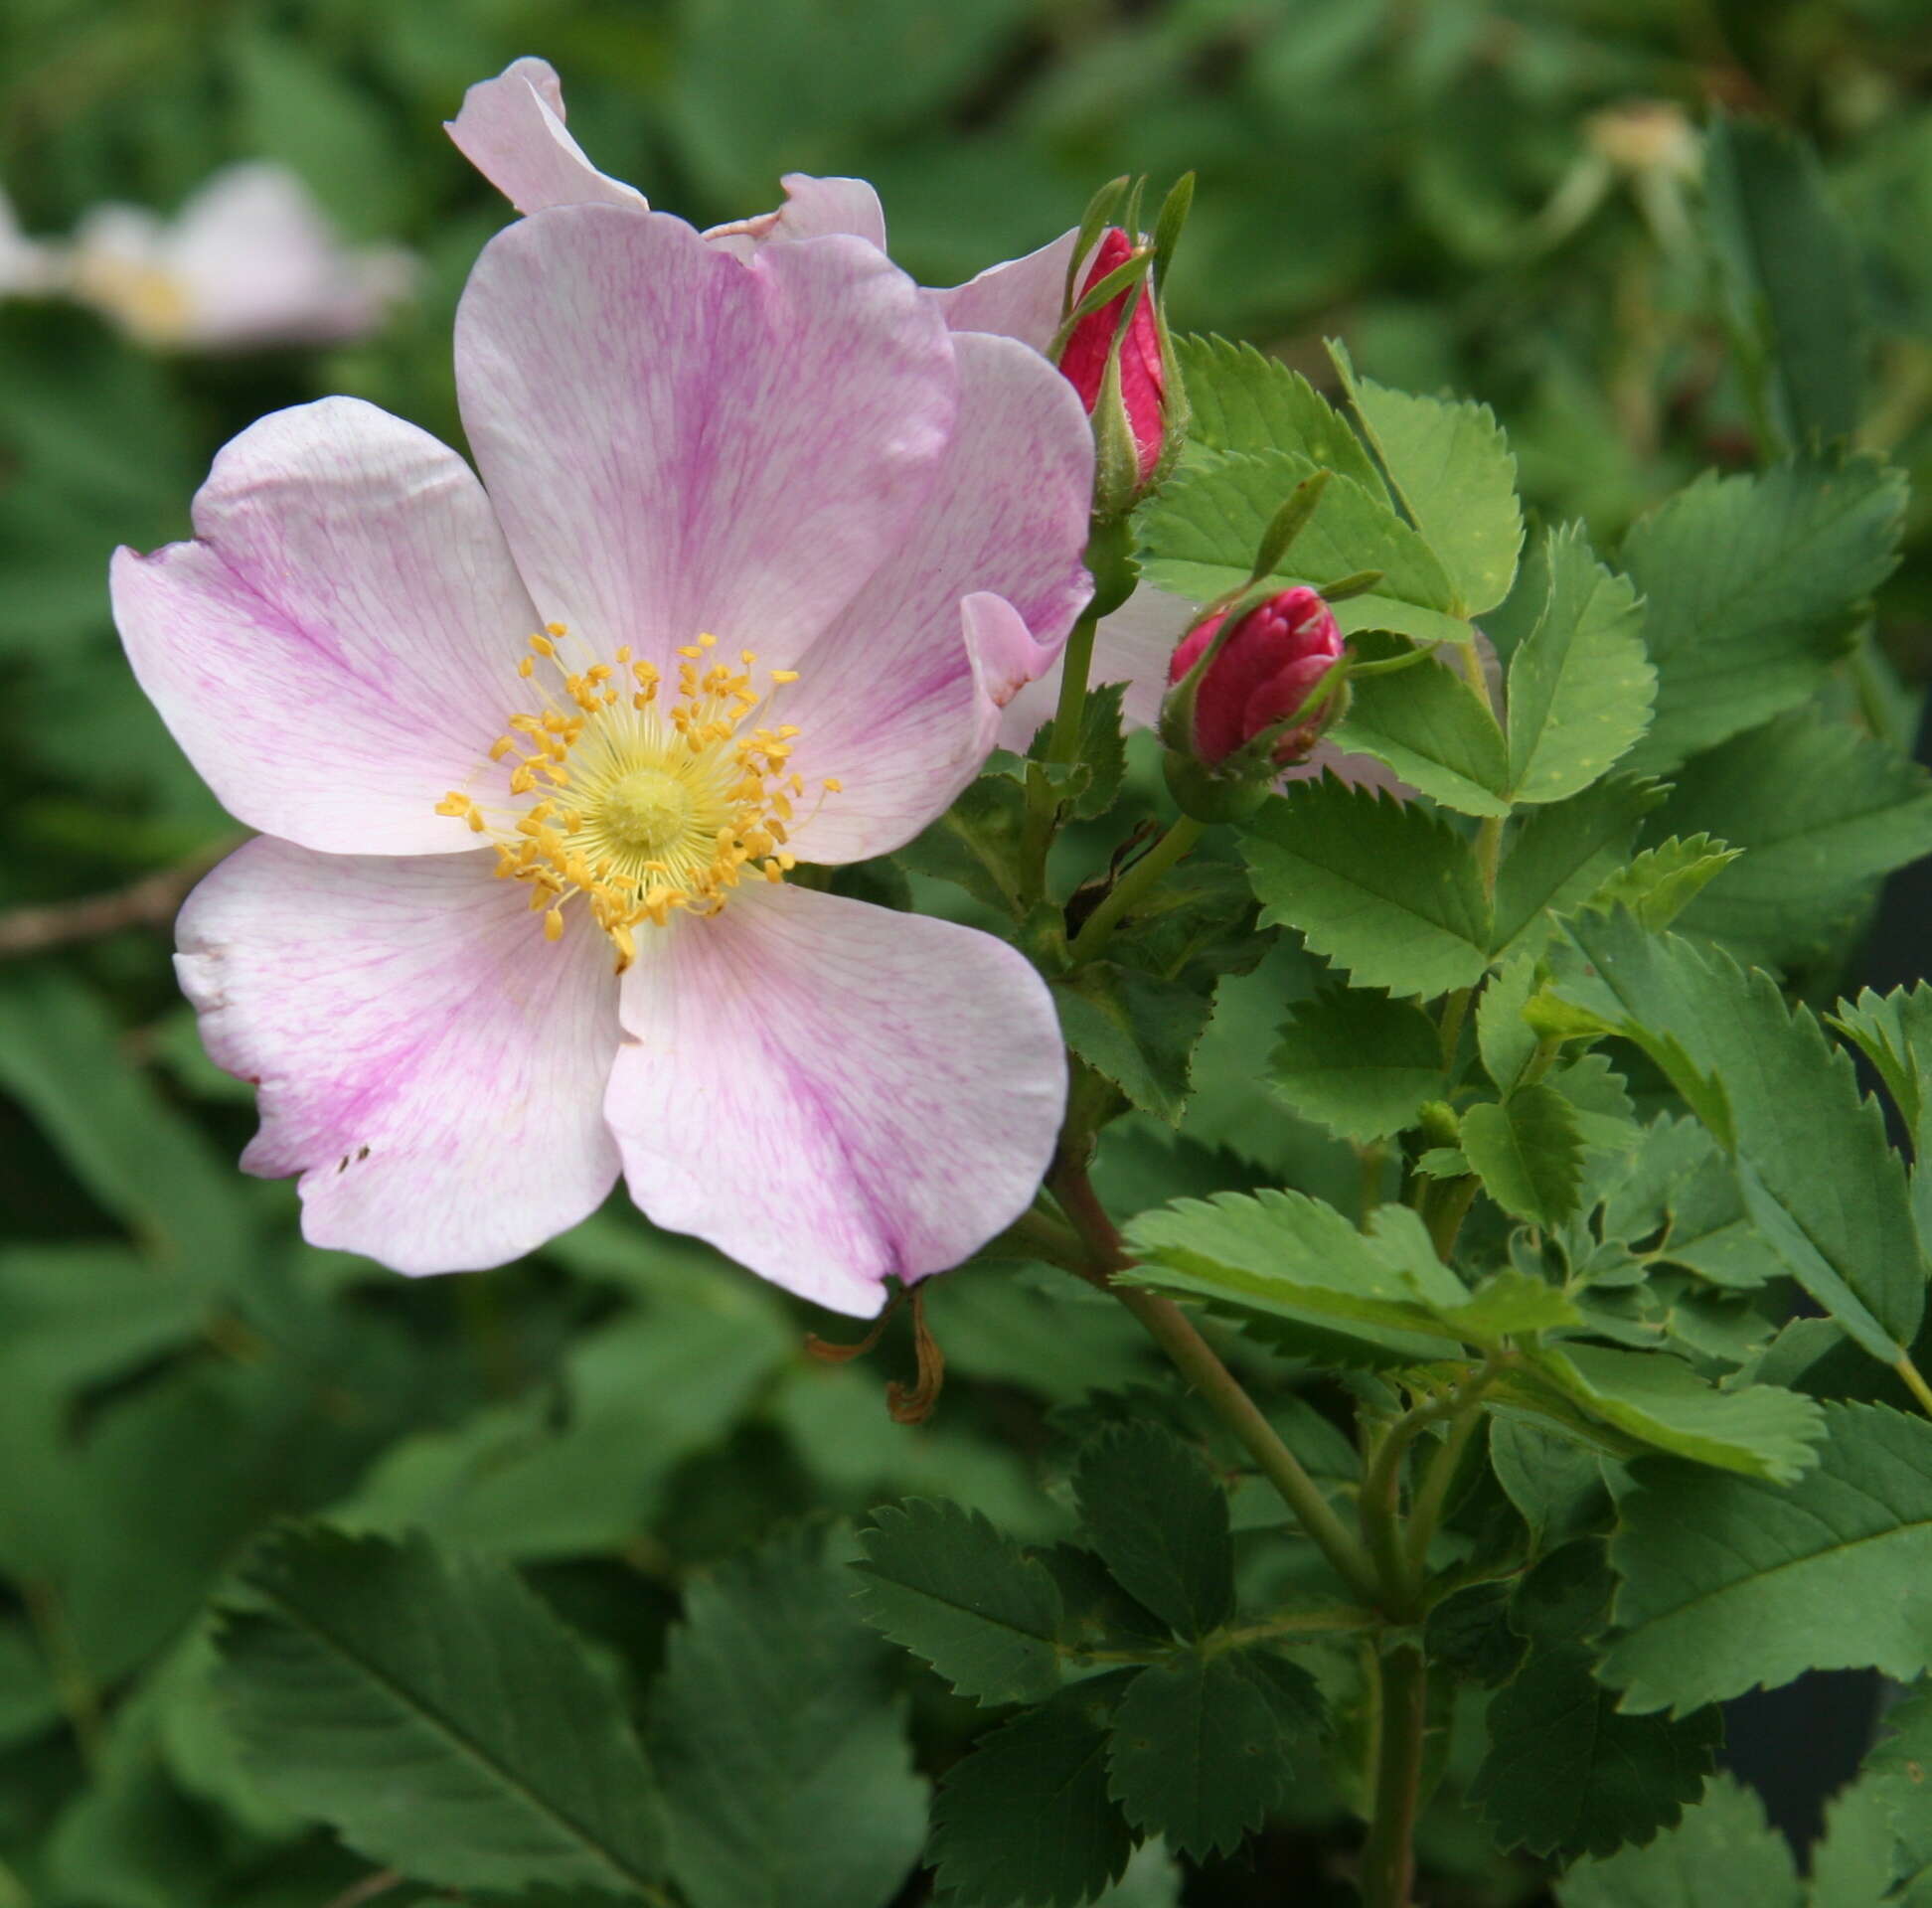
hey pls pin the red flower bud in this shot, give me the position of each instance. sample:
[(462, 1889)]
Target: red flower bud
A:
[(1143, 374), (1261, 675)]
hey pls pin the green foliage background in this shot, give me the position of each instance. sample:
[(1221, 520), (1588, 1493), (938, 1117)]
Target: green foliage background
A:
[(636, 1424)]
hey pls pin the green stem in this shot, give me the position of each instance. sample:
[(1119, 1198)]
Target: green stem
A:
[(1446, 1215), (1062, 747), (1132, 885), (1388, 1854), (1173, 1331), (1433, 1492), (1915, 1381)]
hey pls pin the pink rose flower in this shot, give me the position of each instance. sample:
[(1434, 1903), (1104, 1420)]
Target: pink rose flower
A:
[(250, 260), (760, 540)]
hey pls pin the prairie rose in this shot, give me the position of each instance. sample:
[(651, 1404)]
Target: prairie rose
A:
[(513, 130), (761, 545), (250, 260)]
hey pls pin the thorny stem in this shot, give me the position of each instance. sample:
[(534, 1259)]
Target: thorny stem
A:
[(152, 901), (1135, 883), (1173, 1331)]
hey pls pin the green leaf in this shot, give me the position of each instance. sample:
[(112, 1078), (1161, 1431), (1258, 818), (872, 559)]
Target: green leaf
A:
[(1451, 468), (1200, 535), (1791, 276), (1200, 1752), (1102, 757), (1566, 1774), (1852, 1863), (1435, 731), (1663, 880), (1242, 400), (1723, 1851), (1580, 683), (1025, 1818), (1153, 1510), (1358, 1063), (1136, 1029), (1504, 1038), (1729, 1583), (60, 1057), (1284, 1255), (975, 845), (438, 1717), (1894, 1033), (1751, 588), (1389, 893), (787, 1778), (1562, 857), (940, 1580), (1817, 1178), (1761, 1430), (1527, 1152), (1820, 813), (1555, 1485)]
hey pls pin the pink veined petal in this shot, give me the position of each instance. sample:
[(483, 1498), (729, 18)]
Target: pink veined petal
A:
[(834, 1093), (889, 703), (1020, 298), (511, 129), (1132, 646), (813, 209), (431, 1066), (336, 649), (678, 443)]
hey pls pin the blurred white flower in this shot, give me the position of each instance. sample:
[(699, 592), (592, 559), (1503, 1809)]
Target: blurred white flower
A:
[(250, 260)]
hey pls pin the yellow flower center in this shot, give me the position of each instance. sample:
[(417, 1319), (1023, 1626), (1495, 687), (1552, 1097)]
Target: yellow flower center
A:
[(149, 303), (640, 809)]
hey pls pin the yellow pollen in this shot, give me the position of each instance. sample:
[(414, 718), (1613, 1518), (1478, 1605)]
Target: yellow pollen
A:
[(637, 806)]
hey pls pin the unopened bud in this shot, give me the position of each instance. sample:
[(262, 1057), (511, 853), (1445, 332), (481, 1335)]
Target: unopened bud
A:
[(1259, 677), (1125, 391)]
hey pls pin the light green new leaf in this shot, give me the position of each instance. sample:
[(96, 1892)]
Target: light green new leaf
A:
[(1894, 1033), (1792, 275), (1752, 588), (788, 1781), (1242, 400), (1818, 1179), (1358, 1063), (1762, 1430), (438, 1717), (1158, 1518), (1663, 880), (1527, 1152), (1201, 534), (1820, 813), (1025, 1818), (1723, 1851), (1563, 854), (1505, 1041), (1566, 1774), (1729, 1583), (1451, 468), (1435, 731), (1853, 1862), (1389, 893), (1580, 683), (940, 1580)]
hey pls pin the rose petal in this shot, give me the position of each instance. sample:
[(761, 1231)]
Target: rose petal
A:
[(431, 1066), (835, 1093), (511, 129), (888, 703), (813, 209), (1132, 646), (678, 443), (338, 647), (1020, 298)]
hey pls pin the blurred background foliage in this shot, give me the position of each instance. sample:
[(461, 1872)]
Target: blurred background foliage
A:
[(1432, 180)]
